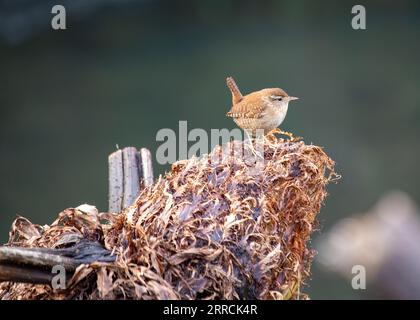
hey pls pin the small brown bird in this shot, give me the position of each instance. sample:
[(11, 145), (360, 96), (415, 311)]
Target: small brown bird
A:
[(260, 111)]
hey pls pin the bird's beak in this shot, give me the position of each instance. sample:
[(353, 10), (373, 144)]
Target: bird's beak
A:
[(293, 98)]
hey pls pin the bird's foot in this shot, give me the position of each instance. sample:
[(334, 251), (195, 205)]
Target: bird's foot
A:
[(271, 134)]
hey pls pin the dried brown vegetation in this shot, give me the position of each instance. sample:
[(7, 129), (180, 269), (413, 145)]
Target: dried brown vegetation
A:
[(215, 227)]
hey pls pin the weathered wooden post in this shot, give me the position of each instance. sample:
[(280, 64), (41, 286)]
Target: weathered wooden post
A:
[(129, 170)]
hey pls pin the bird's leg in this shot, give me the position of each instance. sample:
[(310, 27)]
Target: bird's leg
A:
[(254, 152)]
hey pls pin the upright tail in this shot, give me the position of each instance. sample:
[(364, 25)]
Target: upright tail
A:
[(236, 93)]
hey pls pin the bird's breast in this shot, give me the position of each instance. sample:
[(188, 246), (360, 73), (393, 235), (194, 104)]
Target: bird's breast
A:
[(274, 116), (270, 119)]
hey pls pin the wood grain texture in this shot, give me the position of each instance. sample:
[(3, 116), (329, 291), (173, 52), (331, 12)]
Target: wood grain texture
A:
[(146, 166), (131, 173), (129, 170), (115, 181)]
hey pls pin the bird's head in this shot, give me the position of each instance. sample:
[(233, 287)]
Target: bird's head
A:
[(276, 96)]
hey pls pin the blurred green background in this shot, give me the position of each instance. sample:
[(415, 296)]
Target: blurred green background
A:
[(125, 69)]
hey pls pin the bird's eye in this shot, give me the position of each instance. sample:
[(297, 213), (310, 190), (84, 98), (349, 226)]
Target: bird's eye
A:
[(277, 98)]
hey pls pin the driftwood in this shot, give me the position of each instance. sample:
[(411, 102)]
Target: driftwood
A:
[(34, 265)]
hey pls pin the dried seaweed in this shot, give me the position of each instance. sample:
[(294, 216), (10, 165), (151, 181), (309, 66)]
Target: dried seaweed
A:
[(215, 227)]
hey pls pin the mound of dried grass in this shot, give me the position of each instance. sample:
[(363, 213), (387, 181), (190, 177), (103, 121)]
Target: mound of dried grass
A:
[(218, 227)]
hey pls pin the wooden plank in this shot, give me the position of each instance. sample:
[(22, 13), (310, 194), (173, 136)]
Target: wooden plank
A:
[(146, 167), (115, 181), (131, 176), (126, 168)]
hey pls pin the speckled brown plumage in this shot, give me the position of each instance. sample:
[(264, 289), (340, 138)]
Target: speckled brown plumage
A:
[(260, 110)]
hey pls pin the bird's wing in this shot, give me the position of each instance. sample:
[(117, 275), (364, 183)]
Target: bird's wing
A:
[(248, 110)]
